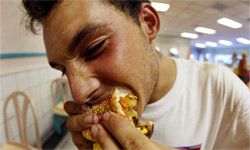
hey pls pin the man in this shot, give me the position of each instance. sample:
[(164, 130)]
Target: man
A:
[(105, 44)]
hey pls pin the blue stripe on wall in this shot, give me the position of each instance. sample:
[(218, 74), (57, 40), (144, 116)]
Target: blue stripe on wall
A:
[(20, 55)]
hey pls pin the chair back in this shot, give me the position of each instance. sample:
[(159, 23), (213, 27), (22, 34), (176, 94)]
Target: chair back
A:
[(22, 105), (60, 90)]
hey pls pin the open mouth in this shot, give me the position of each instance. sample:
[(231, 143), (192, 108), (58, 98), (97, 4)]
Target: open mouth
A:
[(97, 97), (123, 104), (101, 95)]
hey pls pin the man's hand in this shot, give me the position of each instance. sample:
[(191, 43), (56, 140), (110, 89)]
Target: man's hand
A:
[(78, 121), (114, 132), (117, 133)]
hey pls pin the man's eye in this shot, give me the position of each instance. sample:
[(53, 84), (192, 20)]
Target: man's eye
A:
[(95, 50)]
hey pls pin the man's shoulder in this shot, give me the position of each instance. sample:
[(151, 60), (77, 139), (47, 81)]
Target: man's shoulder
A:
[(202, 68), (204, 73)]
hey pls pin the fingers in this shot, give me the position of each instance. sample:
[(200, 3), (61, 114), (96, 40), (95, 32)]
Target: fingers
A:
[(127, 135), (80, 141), (81, 122), (73, 108), (103, 138)]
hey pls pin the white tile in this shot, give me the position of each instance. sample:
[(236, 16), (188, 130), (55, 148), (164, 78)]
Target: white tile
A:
[(34, 95), (22, 80), (30, 118), (31, 134), (1, 109), (1, 88), (42, 108), (45, 90), (11, 112), (46, 124), (33, 78), (53, 74), (49, 120), (38, 111), (13, 130), (47, 105), (66, 143), (2, 135), (8, 84), (44, 74)]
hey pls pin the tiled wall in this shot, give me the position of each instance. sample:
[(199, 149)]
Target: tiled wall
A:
[(36, 84)]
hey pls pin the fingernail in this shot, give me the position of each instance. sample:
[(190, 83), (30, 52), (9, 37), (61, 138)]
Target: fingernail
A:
[(84, 107), (95, 119), (94, 130), (89, 119), (106, 116)]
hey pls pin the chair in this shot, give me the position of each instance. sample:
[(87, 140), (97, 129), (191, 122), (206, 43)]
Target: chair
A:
[(60, 93), (21, 103)]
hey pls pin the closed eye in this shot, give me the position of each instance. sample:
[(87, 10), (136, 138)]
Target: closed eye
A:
[(94, 50)]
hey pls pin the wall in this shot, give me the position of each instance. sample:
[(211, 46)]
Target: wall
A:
[(165, 43), (29, 74), (36, 84)]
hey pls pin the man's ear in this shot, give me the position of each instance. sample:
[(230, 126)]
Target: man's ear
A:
[(150, 21)]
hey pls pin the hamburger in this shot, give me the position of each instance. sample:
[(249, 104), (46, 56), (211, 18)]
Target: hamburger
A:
[(123, 104)]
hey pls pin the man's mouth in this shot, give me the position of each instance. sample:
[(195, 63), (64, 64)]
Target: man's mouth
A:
[(101, 95), (98, 97)]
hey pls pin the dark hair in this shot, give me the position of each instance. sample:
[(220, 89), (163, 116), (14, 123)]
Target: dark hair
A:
[(38, 10)]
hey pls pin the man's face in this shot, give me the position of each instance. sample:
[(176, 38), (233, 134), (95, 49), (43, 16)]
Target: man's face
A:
[(92, 40)]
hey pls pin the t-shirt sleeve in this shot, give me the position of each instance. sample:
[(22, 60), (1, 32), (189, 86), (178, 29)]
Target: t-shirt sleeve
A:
[(234, 131)]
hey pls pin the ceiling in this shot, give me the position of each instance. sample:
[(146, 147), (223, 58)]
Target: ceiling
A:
[(185, 15)]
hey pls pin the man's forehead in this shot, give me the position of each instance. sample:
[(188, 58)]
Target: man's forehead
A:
[(70, 17), (65, 18)]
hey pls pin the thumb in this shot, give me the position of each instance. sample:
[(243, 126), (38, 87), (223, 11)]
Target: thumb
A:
[(127, 135)]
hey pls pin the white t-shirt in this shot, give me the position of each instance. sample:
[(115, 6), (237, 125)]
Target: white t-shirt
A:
[(208, 107)]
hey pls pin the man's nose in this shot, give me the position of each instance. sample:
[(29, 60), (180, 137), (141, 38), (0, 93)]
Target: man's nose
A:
[(82, 88)]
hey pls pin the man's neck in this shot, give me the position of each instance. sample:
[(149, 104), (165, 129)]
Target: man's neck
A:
[(167, 77)]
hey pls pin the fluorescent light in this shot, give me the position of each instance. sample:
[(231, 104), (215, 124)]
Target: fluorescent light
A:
[(158, 48), (174, 51), (229, 23), (192, 56), (205, 30), (243, 41), (211, 44), (224, 42), (200, 45), (162, 7), (207, 55), (189, 35)]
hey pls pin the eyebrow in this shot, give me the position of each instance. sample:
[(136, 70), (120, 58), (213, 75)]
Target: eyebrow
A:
[(88, 29)]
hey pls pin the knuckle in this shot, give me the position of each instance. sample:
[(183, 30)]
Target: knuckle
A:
[(69, 123), (133, 143), (67, 106)]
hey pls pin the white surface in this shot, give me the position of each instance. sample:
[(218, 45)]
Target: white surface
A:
[(14, 36), (66, 143)]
